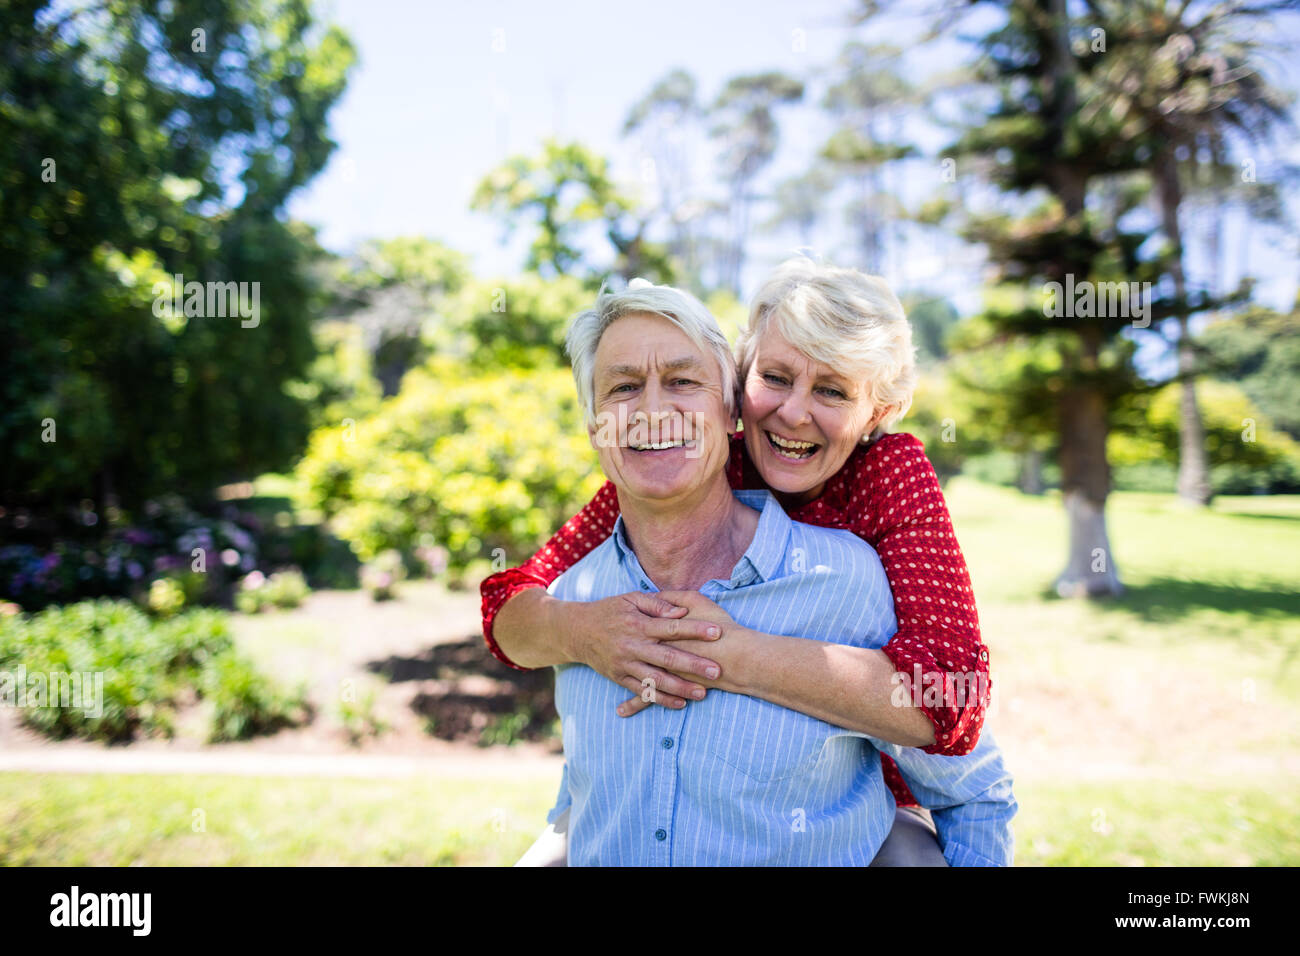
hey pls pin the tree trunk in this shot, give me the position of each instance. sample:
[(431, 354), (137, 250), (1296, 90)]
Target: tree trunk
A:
[(1085, 472), (1193, 464), (1031, 472), (1085, 482)]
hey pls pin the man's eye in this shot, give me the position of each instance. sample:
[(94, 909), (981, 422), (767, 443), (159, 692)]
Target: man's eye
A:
[(619, 388), (685, 381)]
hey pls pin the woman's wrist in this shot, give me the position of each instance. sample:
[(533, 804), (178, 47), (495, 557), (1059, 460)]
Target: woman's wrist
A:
[(534, 630)]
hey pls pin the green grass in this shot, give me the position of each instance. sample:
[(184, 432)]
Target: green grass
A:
[(120, 820), (88, 820), (1136, 823)]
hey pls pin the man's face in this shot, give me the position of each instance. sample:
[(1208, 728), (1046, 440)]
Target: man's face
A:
[(661, 421)]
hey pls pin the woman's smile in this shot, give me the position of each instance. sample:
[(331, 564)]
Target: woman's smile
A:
[(791, 449)]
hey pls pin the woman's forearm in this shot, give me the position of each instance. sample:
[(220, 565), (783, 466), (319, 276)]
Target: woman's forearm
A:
[(529, 630), (850, 687)]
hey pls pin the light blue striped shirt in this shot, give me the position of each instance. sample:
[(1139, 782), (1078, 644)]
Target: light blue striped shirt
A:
[(734, 780)]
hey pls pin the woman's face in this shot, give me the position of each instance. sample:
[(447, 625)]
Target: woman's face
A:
[(802, 419)]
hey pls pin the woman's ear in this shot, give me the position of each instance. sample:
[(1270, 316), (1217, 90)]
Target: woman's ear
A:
[(880, 415)]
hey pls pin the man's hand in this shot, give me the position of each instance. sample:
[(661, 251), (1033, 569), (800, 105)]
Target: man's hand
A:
[(701, 611), (631, 638)]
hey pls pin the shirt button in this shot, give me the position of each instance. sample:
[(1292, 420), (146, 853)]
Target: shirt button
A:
[(644, 586), (666, 743), (661, 834)]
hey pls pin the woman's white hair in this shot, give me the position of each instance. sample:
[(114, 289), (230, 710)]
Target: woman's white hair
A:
[(842, 318), (677, 306)]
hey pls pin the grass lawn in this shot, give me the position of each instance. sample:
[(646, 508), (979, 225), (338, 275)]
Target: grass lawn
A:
[(151, 820), (119, 820)]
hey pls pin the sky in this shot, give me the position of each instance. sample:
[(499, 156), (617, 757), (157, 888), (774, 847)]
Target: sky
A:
[(444, 91)]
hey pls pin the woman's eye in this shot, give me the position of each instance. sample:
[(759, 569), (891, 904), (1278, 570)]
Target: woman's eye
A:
[(773, 378), (832, 392)]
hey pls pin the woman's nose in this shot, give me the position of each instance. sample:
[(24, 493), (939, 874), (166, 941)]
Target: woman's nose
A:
[(794, 410)]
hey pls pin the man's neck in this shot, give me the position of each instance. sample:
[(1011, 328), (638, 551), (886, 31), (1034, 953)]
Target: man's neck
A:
[(681, 545)]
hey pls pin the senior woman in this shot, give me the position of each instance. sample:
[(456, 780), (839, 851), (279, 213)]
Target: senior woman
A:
[(826, 365)]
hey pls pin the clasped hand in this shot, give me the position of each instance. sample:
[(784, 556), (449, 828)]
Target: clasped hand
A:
[(652, 644)]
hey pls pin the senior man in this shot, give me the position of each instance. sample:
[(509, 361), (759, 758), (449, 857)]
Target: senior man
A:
[(731, 779)]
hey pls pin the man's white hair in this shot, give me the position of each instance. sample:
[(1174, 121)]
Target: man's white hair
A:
[(842, 318), (677, 306)]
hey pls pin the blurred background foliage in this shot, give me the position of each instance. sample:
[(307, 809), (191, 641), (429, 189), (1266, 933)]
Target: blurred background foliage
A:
[(390, 399)]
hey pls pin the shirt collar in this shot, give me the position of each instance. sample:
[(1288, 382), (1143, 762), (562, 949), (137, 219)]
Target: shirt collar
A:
[(761, 561)]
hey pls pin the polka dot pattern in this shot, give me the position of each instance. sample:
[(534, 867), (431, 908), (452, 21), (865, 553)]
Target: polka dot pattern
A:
[(887, 494)]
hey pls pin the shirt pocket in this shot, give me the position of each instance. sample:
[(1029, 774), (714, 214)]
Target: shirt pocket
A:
[(764, 741)]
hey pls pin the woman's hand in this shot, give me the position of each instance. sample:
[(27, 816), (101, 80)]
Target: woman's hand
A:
[(630, 639), (702, 611)]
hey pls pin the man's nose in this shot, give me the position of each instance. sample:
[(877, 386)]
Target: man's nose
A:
[(656, 402)]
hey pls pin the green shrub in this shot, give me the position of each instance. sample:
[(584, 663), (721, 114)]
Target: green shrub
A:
[(381, 576), (166, 597), (148, 669), (145, 665), (358, 717), (246, 703), (283, 589), (474, 464)]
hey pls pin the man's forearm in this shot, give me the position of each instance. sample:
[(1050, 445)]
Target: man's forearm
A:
[(850, 687), (529, 630)]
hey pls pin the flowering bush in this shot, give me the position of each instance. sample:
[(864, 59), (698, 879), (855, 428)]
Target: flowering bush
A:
[(380, 576), (283, 589), (168, 540), (486, 466)]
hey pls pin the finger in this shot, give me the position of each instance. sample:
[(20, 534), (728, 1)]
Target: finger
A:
[(684, 629), (633, 705), (682, 662), (655, 681), (648, 690), (655, 606)]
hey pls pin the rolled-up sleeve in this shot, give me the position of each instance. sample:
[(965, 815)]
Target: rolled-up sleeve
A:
[(969, 798)]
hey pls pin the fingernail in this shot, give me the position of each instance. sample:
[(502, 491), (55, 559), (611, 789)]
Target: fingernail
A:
[(711, 672), (697, 694), (714, 632)]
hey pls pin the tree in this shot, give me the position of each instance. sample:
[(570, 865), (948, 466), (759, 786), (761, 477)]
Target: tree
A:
[(564, 190), (1041, 148), (865, 98), (665, 119), (391, 289), (744, 122), (140, 141), (799, 201), (1185, 81), (1260, 351)]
